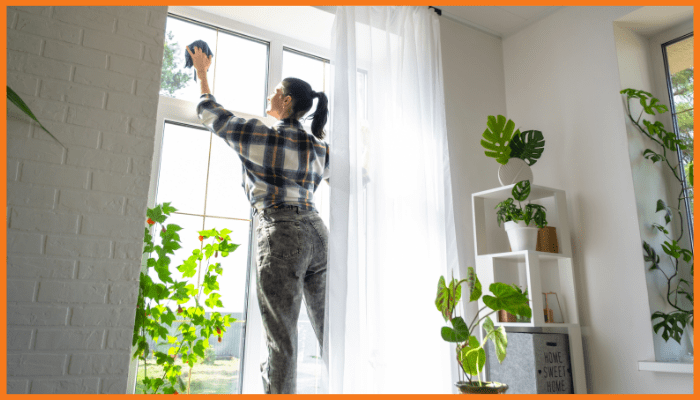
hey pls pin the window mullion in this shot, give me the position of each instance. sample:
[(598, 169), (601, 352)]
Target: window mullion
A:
[(275, 60)]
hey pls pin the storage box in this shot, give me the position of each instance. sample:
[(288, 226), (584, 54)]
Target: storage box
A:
[(535, 363)]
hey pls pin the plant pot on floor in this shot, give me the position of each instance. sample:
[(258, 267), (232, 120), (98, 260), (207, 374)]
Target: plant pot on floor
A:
[(486, 388), (521, 236)]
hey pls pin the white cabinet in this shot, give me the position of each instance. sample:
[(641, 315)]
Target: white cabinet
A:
[(538, 272)]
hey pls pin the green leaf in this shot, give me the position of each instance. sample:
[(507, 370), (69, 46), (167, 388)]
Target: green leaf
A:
[(689, 173), (17, 101), (521, 190), (472, 357), (651, 256), (442, 300), (474, 284), (671, 325), (509, 299), (168, 209), (498, 337), (659, 228), (653, 156), (497, 136), (459, 334), (527, 146), (661, 206)]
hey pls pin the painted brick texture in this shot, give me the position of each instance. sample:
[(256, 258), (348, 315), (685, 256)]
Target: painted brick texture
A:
[(75, 216)]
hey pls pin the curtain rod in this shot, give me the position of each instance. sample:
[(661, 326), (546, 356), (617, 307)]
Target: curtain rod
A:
[(437, 10)]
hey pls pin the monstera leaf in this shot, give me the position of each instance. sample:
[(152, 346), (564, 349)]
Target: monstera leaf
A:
[(527, 146), (497, 136)]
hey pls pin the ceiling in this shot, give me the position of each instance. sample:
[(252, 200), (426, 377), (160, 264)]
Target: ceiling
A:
[(500, 21), (496, 21)]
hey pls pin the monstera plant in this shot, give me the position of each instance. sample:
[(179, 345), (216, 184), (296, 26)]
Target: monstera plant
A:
[(471, 356), (503, 143)]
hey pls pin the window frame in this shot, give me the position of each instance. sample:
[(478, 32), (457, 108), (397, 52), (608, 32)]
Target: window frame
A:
[(182, 112), (674, 121)]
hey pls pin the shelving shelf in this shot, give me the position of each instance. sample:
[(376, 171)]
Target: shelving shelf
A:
[(537, 271)]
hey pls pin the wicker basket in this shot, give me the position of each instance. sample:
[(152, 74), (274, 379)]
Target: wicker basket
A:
[(547, 240)]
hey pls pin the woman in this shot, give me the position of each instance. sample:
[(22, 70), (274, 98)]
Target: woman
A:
[(282, 168)]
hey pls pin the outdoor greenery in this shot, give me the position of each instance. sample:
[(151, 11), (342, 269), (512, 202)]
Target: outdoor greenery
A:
[(218, 377), (679, 291), (470, 353), (502, 143), (508, 211), (157, 299), (172, 78)]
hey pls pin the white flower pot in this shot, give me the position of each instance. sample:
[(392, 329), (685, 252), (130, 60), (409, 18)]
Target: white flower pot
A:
[(514, 171), (521, 236)]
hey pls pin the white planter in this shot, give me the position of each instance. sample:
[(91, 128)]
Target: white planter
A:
[(521, 236), (514, 171)]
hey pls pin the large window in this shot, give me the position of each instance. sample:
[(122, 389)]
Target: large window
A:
[(201, 176), (678, 57)]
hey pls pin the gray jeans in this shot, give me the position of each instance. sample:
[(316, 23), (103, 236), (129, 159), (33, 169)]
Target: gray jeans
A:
[(292, 257)]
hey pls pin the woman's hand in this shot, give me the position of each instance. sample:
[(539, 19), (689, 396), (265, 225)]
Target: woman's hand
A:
[(200, 61)]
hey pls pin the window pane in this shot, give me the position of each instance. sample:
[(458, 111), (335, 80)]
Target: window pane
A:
[(183, 168), (226, 197), (176, 80), (680, 64), (242, 74)]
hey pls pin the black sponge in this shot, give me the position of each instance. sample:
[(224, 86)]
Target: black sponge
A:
[(205, 49)]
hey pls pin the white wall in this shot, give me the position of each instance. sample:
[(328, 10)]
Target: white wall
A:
[(472, 63), (76, 217), (562, 78)]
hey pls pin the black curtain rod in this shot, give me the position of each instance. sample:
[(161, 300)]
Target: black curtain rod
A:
[(437, 10)]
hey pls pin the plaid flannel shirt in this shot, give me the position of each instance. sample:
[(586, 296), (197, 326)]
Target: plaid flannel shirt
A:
[(282, 165)]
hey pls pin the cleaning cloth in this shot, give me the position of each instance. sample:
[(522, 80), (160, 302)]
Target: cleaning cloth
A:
[(188, 58)]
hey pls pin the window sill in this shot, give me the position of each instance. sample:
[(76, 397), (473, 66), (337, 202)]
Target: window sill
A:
[(673, 367)]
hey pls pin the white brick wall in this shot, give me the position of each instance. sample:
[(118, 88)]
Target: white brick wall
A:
[(75, 218)]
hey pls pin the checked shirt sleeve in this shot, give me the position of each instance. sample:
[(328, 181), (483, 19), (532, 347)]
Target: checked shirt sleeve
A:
[(239, 133)]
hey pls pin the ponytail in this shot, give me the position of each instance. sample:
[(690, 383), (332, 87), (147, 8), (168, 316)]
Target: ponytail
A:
[(320, 116), (302, 101)]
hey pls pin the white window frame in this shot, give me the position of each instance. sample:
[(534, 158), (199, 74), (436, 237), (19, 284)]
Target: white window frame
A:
[(184, 112)]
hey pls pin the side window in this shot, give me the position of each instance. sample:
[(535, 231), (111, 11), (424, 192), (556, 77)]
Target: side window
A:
[(678, 56), (201, 177)]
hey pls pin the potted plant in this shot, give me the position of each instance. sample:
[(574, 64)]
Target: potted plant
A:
[(471, 355), (515, 151), (517, 220), (678, 319)]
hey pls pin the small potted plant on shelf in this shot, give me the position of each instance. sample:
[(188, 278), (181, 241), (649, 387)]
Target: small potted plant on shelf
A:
[(515, 151), (471, 356), (517, 220)]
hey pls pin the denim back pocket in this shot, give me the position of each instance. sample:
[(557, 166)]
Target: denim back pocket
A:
[(284, 238)]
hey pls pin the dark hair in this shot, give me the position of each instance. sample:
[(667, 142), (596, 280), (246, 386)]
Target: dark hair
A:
[(302, 100)]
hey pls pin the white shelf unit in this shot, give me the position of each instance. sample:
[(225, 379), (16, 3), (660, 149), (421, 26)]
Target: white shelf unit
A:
[(539, 272)]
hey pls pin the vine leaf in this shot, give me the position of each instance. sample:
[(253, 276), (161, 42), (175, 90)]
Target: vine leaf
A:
[(653, 156), (527, 146), (497, 136), (671, 325), (661, 206), (651, 256)]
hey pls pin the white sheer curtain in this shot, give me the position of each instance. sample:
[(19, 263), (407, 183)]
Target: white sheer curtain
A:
[(392, 225)]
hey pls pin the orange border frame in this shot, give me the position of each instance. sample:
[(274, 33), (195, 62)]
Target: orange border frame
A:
[(3, 149)]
